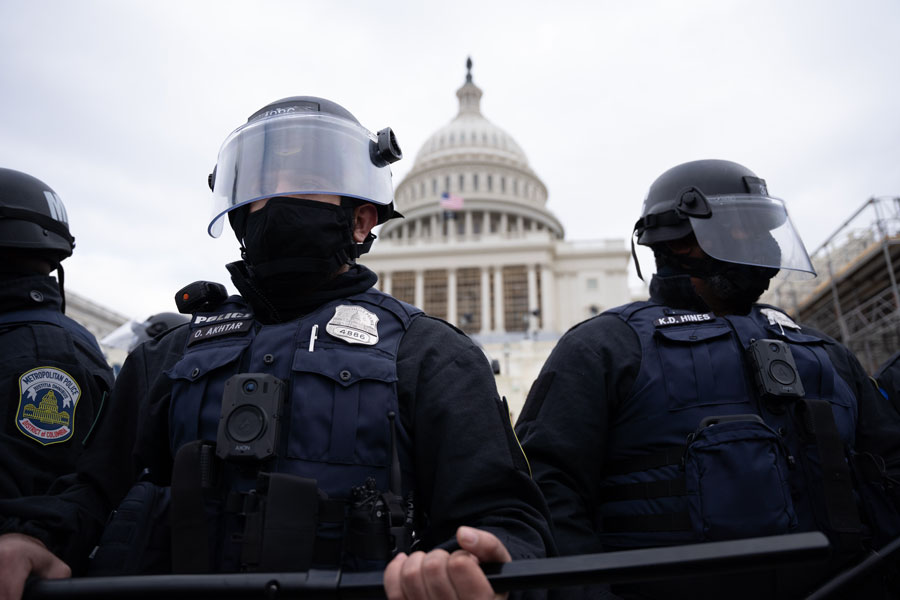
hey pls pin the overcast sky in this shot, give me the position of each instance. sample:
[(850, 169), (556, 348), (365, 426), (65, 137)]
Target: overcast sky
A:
[(121, 106)]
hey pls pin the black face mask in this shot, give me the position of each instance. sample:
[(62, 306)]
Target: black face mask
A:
[(293, 246), (739, 286)]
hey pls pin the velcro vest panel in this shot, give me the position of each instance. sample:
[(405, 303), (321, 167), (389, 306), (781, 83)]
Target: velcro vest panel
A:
[(666, 481), (335, 426)]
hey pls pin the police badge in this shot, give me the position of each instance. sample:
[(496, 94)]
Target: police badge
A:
[(47, 400), (354, 324)]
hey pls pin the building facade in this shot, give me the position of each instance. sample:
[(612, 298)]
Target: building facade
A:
[(478, 248)]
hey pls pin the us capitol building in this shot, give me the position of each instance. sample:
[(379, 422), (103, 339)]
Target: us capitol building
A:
[(479, 248)]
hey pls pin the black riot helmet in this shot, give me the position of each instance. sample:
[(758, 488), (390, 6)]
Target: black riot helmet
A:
[(33, 219), (730, 212), (304, 145)]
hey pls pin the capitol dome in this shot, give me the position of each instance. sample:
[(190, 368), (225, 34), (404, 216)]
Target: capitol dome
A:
[(478, 245), (479, 248), (471, 133), (483, 170)]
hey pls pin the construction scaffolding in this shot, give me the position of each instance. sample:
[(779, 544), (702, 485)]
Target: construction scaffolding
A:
[(855, 298)]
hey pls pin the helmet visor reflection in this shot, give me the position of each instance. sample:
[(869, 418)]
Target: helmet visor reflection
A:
[(752, 230), (297, 154)]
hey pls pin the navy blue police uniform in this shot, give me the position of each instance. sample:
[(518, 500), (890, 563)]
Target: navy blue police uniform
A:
[(367, 378), (615, 433), (54, 380)]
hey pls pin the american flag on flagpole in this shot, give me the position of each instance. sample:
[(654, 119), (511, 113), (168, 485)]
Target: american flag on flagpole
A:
[(451, 201)]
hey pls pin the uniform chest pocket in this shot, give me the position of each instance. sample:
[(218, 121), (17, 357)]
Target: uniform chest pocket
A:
[(340, 400), (701, 366), (198, 382), (737, 481)]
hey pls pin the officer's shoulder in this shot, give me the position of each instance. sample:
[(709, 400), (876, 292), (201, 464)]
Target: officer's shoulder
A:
[(610, 318), (402, 309), (801, 327), (428, 325), (888, 365), (170, 341)]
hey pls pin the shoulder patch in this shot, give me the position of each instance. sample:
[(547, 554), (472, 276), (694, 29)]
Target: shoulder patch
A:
[(354, 325), (47, 400), (682, 319)]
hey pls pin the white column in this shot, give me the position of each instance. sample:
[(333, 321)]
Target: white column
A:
[(504, 224), (469, 229), (500, 325), (451, 297), (386, 283), (520, 225), (485, 300), (420, 289), (406, 232), (485, 223), (417, 229), (435, 232), (532, 298), (548, 290)]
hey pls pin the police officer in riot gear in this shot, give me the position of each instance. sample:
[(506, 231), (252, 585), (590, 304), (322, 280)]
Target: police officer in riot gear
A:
[(53, 376), (313, 421), (700, 415)]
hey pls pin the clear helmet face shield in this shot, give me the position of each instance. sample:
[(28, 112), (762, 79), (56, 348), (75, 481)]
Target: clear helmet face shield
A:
[(297, 153), (126, 336), (752, 230)]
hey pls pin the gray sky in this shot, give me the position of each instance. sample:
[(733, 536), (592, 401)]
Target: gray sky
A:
[(121, 106)]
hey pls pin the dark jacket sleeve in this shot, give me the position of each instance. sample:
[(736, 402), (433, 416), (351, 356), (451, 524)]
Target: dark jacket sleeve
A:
[(878, 424), (70, 517), (566, 418), (888, 380), (469, 468), (29, 467)]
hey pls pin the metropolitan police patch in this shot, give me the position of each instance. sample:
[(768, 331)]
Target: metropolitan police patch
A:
[(47, 400)]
